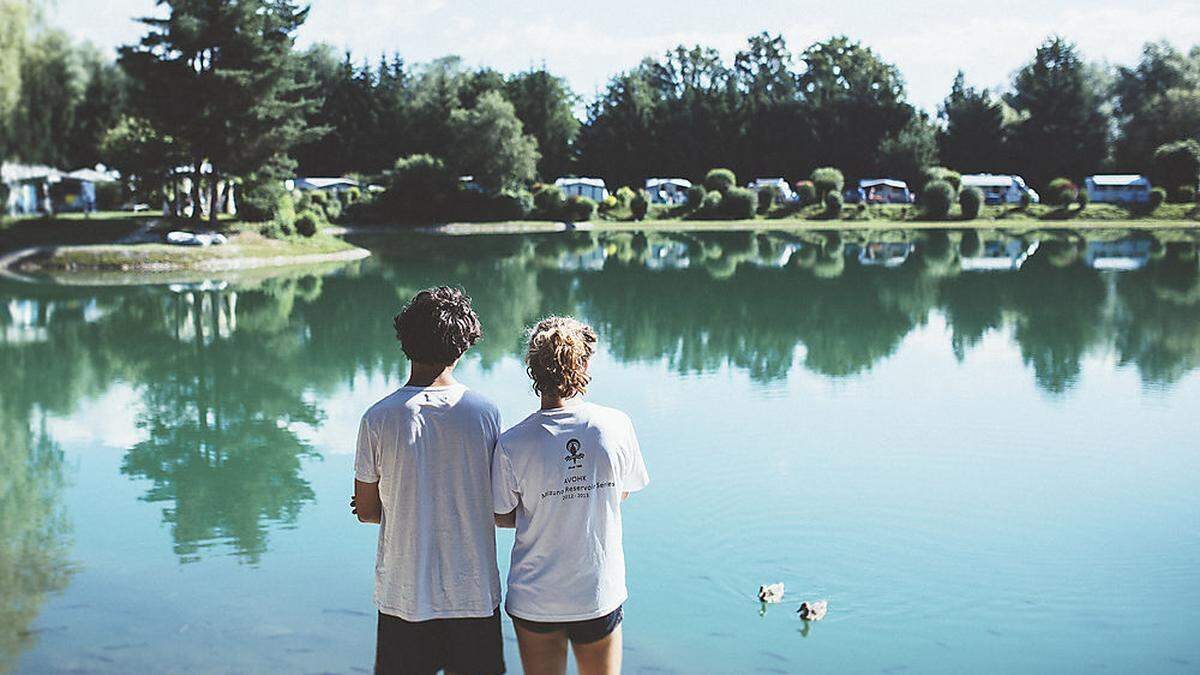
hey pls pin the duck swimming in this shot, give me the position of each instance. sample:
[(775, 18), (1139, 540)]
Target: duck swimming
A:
[(813, 611), (771, 593)]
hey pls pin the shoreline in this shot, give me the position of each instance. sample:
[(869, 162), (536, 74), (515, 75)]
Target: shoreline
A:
[(785, 225), (117, 259)]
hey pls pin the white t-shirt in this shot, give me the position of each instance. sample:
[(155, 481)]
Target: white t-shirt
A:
[(430, 449), (566, 469)]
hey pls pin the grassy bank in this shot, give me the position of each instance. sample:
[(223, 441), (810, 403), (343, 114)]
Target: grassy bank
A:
[(75, 243)]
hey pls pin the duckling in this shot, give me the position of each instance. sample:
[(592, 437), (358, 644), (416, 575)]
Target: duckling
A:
[(771, 593), (813, 611)]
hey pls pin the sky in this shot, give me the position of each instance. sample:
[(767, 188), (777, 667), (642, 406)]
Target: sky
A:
[(589, 42)]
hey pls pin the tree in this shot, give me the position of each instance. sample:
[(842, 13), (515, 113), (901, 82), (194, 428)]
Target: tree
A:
[(218, 77), (489, 143), (545, 105), (618, 141), (15, 17), (351, 108), (853, 101), (974, 136), (908, 152), (1156, 101), (136, 149), (100, 106), (52, 83), (1063, 131)]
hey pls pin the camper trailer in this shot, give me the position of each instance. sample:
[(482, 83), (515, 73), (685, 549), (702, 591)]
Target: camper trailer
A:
[(592, 188), (668, 191), (1000, 188), (884, 191), (1117, 188)]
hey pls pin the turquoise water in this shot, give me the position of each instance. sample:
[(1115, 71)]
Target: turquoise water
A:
[(981, 450)]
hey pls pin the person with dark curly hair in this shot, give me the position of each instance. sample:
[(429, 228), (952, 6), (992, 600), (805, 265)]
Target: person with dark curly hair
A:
[(559, 477), (422, 472)]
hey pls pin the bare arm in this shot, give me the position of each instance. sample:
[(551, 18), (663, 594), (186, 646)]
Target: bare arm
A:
[(365, 504), (506, 519), (624, 496)]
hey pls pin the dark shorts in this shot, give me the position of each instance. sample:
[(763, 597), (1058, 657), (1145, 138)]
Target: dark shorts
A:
[(467, 646), (579, 632)]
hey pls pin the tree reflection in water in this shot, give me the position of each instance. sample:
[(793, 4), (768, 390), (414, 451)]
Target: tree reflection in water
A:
[(228, 375), (222, 376)]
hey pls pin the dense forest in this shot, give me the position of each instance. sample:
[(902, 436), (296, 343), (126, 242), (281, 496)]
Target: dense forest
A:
[(223, 85)]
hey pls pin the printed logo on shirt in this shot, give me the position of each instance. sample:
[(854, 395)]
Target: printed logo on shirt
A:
[(575, 457)]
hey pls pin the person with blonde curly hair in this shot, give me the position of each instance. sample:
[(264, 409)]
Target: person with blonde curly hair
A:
[(559, 477)]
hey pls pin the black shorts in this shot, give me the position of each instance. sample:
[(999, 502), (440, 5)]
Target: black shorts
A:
[(579, 632), (467, 646)]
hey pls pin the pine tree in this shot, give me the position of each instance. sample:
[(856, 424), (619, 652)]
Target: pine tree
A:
[(218, 76)]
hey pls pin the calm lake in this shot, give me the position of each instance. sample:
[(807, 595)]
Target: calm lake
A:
[(983, 451)]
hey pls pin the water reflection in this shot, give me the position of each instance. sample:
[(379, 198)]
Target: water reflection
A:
[(229, 377), (229, 374)]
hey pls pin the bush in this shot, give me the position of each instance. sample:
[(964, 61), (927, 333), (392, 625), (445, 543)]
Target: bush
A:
[(1082, 199), (738, 204), (766, 198), (970, 200), (695, 197), (1157, 197), (1177, 163), (511, 205), (719, 180), (419, 188), (548, 201), (936, 198), (579, 209), (625, 195), (711, 204), (951, 176), (309, 222), (1061, 192), (1184, 194), (351, 195), (1026, 200), (806, 192), (332, 209), (284, 221), (639, 205), (607, 204), (833, 203), (827, 179), (315, 198)]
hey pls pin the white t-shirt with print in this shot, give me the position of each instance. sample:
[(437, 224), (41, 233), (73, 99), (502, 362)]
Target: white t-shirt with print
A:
[(564, 470), (430, 449)]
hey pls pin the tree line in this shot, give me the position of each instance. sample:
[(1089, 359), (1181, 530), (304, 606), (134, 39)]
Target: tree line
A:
[(220, 90)]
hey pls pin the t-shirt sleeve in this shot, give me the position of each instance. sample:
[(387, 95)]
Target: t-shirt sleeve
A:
[(633, 473), (366, 459), (505, 491)]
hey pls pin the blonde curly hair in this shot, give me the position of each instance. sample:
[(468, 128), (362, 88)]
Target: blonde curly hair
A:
[(558, 354)]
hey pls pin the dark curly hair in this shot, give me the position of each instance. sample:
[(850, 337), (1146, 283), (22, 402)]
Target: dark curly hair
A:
[(437, 326)]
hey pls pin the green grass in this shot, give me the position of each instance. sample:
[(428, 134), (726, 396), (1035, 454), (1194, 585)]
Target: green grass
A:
[(68, 229), (242, 247)]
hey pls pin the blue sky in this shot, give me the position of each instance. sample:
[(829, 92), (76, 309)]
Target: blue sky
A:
[(588, 42)]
